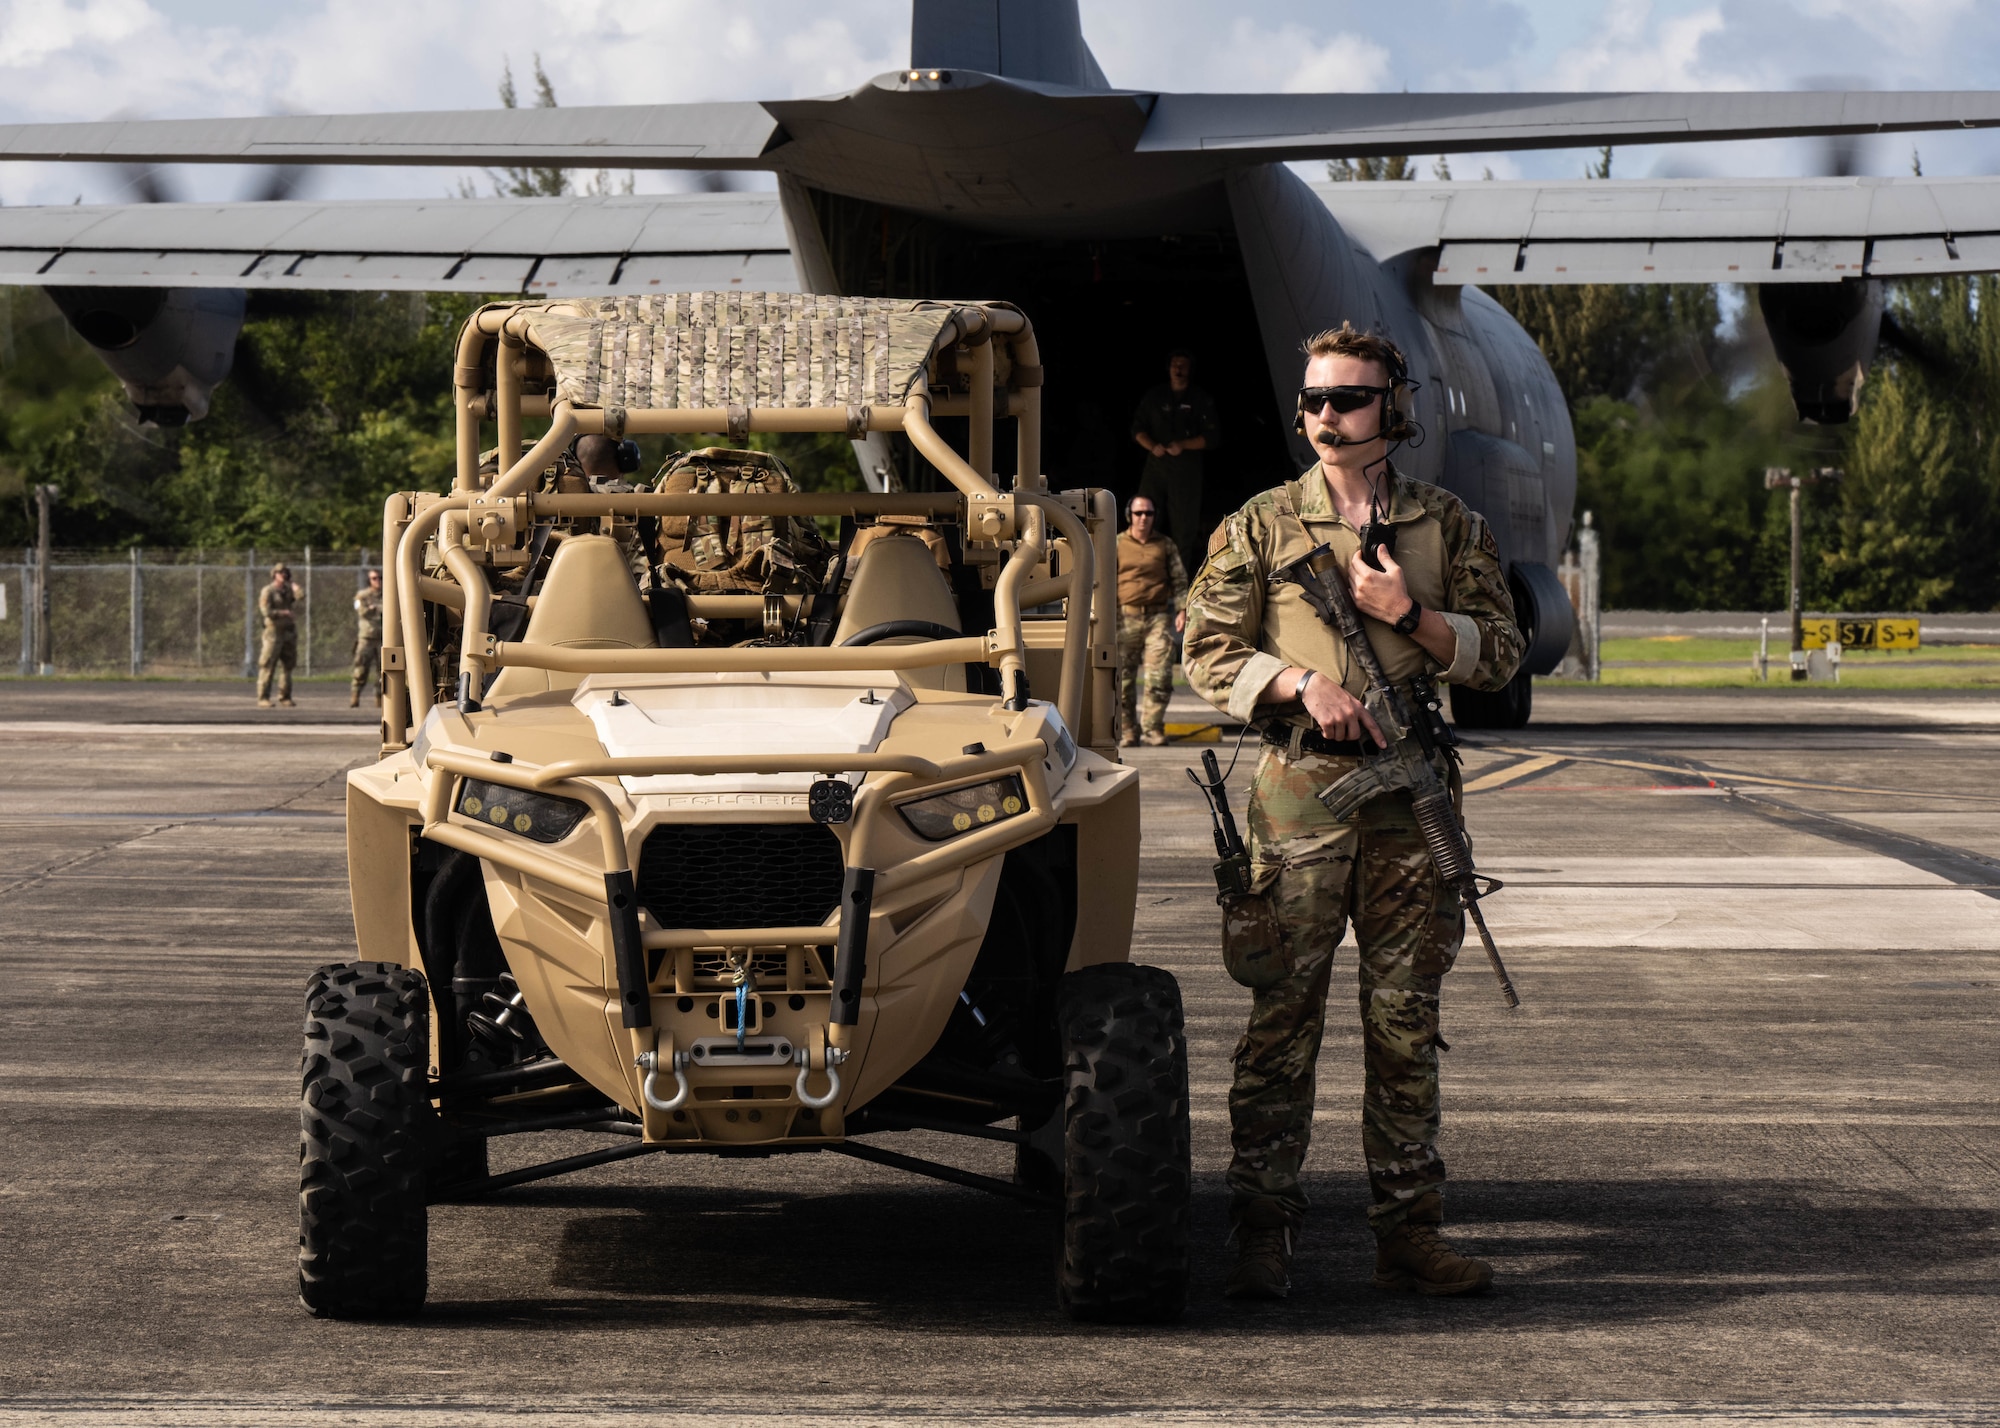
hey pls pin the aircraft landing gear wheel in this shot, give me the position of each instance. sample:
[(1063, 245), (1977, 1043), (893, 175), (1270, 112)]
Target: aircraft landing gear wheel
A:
[(1126, 1173), (1507, 707), (366, 1133)]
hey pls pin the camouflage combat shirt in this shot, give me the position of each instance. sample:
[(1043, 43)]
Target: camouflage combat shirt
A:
[(1242, 629), (275, 601), (368, 616)]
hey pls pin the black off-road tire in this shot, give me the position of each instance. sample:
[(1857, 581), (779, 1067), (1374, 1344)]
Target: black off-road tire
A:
[(367, 1135), (1126, 1173)]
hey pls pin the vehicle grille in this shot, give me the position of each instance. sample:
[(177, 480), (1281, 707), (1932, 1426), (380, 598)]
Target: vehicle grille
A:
[(740, 874)]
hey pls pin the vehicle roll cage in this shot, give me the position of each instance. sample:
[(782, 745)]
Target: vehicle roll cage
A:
[(485, 520)]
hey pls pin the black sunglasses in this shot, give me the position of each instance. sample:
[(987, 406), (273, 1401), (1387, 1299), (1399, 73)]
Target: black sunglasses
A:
[(1344, 399)]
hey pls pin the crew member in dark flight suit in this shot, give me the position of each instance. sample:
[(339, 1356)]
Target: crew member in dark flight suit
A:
[(1175, 423)]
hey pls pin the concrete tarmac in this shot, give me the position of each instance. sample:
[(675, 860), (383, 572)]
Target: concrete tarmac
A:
[(1735, 1157)]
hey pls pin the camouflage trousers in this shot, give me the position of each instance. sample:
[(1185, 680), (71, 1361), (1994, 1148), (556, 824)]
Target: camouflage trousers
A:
[(1145, 668), (367, 663), (1316, 876), (279, 653)]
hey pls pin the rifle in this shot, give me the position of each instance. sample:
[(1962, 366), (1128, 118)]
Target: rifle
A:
[(1232, 869), (1414, 739)]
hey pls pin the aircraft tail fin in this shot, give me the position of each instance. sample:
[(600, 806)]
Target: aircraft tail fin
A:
[(1038, 40)]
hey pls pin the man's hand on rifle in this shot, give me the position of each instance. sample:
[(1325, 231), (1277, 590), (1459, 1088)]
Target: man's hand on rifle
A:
[(1339, 714)]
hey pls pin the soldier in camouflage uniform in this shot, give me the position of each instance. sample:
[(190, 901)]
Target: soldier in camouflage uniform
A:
[(1152, 600), (280, 650), (1438, 608), (367, 637)]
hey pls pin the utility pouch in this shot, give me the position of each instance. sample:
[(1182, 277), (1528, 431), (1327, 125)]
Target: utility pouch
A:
[(1252, 941), (1232, 876)]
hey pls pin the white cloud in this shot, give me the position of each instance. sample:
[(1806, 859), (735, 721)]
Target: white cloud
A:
[(1345, 62)]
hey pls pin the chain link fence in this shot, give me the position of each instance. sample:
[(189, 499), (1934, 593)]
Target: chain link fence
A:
[(175, 613)]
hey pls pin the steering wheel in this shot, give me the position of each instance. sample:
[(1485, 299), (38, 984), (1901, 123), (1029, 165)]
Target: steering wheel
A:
[(901, 629)]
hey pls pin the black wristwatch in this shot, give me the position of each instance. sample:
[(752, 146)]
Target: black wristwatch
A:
[(1412, 617)]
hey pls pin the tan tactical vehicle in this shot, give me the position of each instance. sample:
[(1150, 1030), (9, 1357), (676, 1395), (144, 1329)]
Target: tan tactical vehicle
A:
[(705, 832)]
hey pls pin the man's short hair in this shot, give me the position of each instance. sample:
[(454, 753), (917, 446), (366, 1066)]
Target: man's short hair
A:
[(281, 569), (1348, 341), (374, 572)]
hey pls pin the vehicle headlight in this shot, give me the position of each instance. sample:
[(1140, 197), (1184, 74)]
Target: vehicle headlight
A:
[(946, 815), (539, 816)]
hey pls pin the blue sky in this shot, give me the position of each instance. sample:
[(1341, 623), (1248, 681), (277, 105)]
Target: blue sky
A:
[(92, 59)]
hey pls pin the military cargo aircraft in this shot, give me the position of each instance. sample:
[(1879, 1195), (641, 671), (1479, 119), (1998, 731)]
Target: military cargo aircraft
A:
[(1003, 163)]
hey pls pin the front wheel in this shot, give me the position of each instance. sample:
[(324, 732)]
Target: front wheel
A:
[(367, 1136), (1127, 1177)]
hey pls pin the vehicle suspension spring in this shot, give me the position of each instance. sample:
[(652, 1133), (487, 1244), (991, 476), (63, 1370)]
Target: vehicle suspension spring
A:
[(503, 1015)]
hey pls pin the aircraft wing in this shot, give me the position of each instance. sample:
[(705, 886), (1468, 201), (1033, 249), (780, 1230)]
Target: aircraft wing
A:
[(725, 135), (1679, 230), (1306, 126), (543, 247), (1239, 127)]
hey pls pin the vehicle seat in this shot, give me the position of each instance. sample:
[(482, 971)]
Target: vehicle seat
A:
[(588, 601), (897, 578)]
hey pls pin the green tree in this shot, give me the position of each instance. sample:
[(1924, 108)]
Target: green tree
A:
[(1368, 170), (1913, 524), (1609, 340), (531, 182), (1676, 485)]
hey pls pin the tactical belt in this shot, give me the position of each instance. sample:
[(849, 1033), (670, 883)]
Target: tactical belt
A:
[(1281, 736)]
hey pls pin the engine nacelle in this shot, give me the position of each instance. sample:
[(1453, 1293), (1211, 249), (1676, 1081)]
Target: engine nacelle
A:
[(170, 347), (1824, 335)]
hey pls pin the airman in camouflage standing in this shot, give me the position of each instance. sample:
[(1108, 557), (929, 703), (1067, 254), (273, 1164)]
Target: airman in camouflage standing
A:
[(367, 638), (1152, 600), (1437, 608), (280, 650)]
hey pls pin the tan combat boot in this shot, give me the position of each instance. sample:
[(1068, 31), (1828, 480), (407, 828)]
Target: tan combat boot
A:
[(1154, 739), (1416, 1256), (263, 704), (1263, 1235)]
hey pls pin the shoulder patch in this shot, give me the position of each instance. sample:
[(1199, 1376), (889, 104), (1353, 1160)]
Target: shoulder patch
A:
[(1218, 540), (1486, 541)]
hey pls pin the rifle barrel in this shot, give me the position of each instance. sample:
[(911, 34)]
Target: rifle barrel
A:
[(1507, 992)]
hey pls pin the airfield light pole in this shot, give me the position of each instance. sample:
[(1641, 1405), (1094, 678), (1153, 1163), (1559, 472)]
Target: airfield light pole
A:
[(45, 496), (1775, 477)]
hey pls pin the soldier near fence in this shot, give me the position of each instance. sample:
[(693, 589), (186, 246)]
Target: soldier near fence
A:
[(367, 639), (1435, 607), (1152, 599), (280, 649)]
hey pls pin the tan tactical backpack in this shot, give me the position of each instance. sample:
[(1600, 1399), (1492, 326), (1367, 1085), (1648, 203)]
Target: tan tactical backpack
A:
[(773, 555)]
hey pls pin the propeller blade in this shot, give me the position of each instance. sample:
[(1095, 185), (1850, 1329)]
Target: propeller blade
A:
[(1932, 359), (148, 182), (278, 182)]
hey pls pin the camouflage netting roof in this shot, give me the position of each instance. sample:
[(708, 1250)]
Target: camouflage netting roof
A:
[(676, 350)]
